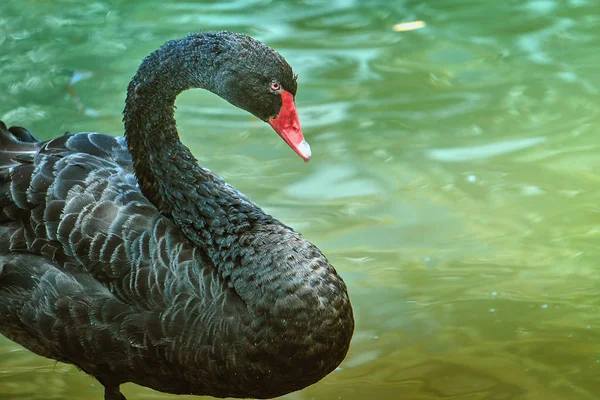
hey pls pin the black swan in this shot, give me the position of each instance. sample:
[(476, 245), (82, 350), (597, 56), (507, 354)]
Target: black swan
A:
[(124, 257)]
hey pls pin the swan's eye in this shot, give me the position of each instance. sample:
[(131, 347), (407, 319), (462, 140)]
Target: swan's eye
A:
[(275, 86)]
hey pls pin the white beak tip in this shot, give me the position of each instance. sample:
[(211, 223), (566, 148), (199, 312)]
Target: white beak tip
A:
[(304, 150)]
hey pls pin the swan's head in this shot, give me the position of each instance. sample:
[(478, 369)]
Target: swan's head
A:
[(256, 78)]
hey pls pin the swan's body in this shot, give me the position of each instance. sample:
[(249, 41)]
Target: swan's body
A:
[(130, 261)]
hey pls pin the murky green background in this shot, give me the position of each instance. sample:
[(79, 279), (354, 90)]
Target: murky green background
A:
[(454, 180)]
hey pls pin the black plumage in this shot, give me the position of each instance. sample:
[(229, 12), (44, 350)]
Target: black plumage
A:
[(127, 259)]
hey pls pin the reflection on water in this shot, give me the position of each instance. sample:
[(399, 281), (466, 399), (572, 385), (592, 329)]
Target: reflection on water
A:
[(453, 184), (462, 154)]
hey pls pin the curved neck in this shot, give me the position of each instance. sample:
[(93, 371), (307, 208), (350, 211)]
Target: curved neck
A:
[(167, 172), (150, 127)]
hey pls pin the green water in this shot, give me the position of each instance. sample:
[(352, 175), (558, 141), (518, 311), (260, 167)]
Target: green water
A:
[(454, 182)]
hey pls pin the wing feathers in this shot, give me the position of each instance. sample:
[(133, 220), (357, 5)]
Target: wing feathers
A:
[(75, 201)]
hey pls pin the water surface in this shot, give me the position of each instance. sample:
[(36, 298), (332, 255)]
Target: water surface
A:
[(454, 180)]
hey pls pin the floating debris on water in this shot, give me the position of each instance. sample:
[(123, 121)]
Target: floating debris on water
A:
[(409, 26)]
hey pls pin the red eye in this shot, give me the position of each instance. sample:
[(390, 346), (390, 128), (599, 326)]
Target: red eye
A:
[(275, 86)]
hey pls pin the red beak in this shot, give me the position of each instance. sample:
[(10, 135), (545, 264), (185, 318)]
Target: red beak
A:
[(287, 125)]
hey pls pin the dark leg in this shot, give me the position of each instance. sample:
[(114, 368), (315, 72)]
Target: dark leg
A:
[(112, 392)]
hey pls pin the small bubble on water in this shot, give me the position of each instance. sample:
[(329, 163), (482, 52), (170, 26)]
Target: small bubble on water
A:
[(494, 294), (492, 309), (430, 262), (544, 305), (471, 178)]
